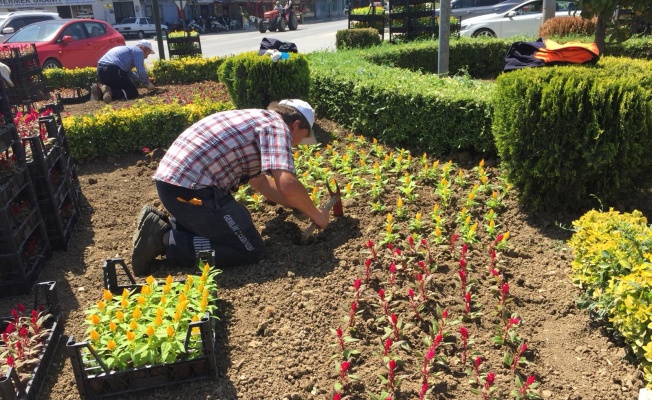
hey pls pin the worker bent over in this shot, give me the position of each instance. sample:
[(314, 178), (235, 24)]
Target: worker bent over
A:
[(204, 165)]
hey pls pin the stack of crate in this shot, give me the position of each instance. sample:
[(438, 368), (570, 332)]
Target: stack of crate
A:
[(24, 244), (26, 73), (53, 175)]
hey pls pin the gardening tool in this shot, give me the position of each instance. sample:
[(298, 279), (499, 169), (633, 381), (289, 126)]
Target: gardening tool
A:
[(335, 203)]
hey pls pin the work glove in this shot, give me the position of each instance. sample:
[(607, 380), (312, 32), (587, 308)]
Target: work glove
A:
[(150, 86)]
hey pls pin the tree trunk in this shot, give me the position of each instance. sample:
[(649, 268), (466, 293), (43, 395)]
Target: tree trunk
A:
[(600, 33)]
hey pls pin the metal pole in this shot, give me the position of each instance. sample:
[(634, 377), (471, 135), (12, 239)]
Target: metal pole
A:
[(549, 8), (159, 35), (444, 37)]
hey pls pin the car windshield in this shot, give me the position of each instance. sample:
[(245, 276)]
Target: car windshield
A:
[(36, 33), (128, 21)]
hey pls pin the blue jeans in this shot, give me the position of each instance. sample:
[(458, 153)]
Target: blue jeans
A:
[(118, 80), (220, 223)]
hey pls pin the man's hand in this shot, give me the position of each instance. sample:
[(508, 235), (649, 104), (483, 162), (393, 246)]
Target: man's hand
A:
[(150, 86), (322, 219)]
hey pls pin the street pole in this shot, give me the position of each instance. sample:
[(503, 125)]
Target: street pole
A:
[(444, 37), (182, 5), (549, 8), (159, 33)]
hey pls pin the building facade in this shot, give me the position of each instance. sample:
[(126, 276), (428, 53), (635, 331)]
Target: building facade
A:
[(170, 10)]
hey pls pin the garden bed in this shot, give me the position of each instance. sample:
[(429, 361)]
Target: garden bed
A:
[(276, 340)]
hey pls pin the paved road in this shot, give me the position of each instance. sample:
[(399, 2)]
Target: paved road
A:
[(308, 37)]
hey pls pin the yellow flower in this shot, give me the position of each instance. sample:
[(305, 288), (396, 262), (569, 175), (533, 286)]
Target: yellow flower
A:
[(146, 290), (437, 232), (107, 295), (158, 321), (167, 288), (111, 345), (163, 300), (494, 195), (169, 280), (482, 163), (150, 331), (95, 336), (125, 293), (205, 294), (113, 326), (95, 319), (137, 313), (177, 316), (201, 287), (203, 304), (190, 280), (389, 218), (101, 305), (159, 312), (149, 280), (141, 299), (474, 227), (170, 331), (484, 179), (130, 336), (418, 216), (133, 325), (399, 204), (468, 219), (492, 224), (506, 235), (183, 297), (120, 315)]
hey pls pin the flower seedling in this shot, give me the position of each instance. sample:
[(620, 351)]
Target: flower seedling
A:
[(460, 180), (401, 211), (342, 340), (513, 361), (525, 390), (390, 235), (495, 201), (408, 188), (471, 200), (444, 192), (416, 224), (415, 304), (508, 333)]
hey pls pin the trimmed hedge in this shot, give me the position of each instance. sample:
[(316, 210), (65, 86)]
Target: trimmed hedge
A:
[(112, 132), (566, 133), (254, 81), (186, 70), (400, 106), (58, 78), (357, 38)]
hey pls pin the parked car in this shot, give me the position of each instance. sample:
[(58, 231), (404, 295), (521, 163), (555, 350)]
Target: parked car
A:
[(68, 43), (524, 19), (139, 26), (472, 8), (12, 22)]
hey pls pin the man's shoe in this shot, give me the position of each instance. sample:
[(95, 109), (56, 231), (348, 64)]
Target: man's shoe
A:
[(148, 243), (96, 94), (144, 212), (108, 94)]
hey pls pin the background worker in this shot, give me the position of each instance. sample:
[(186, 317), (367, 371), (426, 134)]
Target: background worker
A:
[(115, 72), (208, 161)]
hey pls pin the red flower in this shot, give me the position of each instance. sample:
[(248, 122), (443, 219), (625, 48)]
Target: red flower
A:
[(370, 244), (463, 263), (381, 294), (477, 362), (394, 319), (390, 246), (392, 365), (398, 252), (523, 348), (464, 333), (392, 268), (411, 293), (388, 345), (11, 361), (354, 306), (339, 332), (423, 242), (431, 354), (444, 314), (367, 262), (505, 289), (344, 367), (23, 332), (498, 238), (10, 328), (491, 378), (21, 308), (357, 283), (530, 380), (411, 241), (337, 396)]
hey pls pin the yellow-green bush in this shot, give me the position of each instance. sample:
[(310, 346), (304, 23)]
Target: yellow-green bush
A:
[(70, 78), (111, 132), (357, 38), (613, 264), (254, 81), (186, 70)]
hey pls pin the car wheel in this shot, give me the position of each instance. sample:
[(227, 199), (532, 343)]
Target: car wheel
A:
[(141, 35), (484, 33), (51, 63)]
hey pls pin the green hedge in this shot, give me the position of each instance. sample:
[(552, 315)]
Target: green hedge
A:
[(254, 81), (400, 106), (186, 70), (357, 38), (58, 78), (566, 133), (111, 132)]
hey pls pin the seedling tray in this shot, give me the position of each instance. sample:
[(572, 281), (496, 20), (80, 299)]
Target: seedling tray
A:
[(95, 380), (11, 388)]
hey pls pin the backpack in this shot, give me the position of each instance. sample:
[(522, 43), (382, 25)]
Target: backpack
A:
[(275, 44)]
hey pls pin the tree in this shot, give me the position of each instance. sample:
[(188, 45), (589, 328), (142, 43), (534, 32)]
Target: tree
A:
[(606, 25)]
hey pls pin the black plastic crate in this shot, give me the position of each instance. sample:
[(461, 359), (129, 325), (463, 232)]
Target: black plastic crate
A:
[(11, 388), (19, 270), (15, 230), (97, 380), (41, 155), (16, 183)]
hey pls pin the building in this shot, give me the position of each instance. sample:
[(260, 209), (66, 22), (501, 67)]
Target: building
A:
[(169, 10)]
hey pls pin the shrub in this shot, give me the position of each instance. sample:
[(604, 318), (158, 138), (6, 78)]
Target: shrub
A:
[(70, 78), (254, 81), (613, 264), (357, 38), (186, 70), (565, 133), (564, 26)]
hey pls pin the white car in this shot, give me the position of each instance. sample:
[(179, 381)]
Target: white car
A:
[(524, 19), (138, 26)]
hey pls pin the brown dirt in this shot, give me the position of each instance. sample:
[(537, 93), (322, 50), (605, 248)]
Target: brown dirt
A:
[(274, 340)]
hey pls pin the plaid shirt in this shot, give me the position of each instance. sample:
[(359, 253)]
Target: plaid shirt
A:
[(226, 149), (127, 58)]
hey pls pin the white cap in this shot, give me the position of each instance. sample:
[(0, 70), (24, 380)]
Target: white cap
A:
[(307, 111), (147, 44)]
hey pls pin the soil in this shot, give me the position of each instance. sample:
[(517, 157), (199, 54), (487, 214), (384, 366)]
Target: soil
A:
[(274, 336)]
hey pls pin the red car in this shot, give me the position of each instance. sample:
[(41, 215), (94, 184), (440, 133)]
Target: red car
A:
[(69, 43)]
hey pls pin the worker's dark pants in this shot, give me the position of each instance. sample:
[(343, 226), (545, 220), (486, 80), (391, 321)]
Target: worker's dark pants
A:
[(118, 80), (220, 223)]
